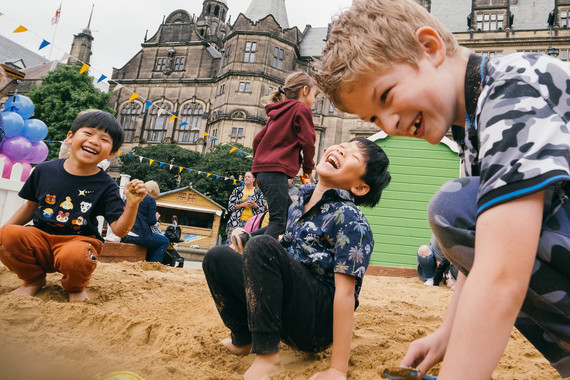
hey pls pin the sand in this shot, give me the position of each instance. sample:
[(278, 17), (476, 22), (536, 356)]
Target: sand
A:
[(160, 323)]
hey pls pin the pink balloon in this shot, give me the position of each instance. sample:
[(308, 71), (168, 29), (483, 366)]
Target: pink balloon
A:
[(17, 148), (7, 166), (38, 152)]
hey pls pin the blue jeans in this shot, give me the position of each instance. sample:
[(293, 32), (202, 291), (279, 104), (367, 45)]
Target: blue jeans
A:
[(155, 248), (426, 266)]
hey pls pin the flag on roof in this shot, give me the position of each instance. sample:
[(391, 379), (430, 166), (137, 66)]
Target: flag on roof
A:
[(55, 18)]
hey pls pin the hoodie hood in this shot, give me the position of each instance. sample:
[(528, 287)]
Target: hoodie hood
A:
[(274, 110)]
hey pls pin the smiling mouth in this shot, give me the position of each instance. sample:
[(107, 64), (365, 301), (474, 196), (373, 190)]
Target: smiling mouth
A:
[(332, 161), (89, 151), (413, 131)]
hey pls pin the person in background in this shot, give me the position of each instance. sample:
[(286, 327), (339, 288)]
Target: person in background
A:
[(245, 201), (284, 145), (433, 267), (141, 233)]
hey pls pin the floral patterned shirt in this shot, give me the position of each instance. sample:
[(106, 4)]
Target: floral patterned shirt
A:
[(332, 237)]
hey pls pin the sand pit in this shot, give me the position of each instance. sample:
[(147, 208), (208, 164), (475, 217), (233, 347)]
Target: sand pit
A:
[(160, 323)]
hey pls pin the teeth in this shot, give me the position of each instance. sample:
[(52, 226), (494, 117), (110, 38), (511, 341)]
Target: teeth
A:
[(333, 161), (417, 123)]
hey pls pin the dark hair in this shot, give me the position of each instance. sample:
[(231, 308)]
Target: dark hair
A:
[(376, 175), (100, 120)]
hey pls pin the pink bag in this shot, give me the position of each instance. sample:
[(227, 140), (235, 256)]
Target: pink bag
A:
[(254, 222)]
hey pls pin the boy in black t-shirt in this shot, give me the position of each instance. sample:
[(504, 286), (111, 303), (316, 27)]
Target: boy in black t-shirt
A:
[(64, 198)]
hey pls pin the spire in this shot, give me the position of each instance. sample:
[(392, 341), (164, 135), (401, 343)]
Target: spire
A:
[(88, 29), (258, 9)]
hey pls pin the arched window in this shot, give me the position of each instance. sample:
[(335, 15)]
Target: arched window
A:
[(191, 115), (130, 119), (158, 124)]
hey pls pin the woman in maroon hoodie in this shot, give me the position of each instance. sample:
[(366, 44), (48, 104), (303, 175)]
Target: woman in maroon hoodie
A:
[(285, 143)]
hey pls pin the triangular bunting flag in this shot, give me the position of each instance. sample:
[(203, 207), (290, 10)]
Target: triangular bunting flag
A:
[(234, 181), (233, 149), (147, 104), (190, 170), (64, 57), (204, 134), (119, 152), (161, 164), (209, 174), (130, 155), (240, 152), (150, 162), (214, 139), (84, 68), (44, 44), (170, 168), (133, 96), (101, 78), (160, 110), (20, 29), (180, 169), (217, 176), (183, 123), (140, 158), (171, 118)]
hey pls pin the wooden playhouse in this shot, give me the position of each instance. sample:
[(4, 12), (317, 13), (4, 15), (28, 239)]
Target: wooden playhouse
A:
[(198, 216)]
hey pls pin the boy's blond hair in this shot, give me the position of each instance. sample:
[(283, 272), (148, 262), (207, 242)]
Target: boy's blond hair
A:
[(152, 189), (370, 37)]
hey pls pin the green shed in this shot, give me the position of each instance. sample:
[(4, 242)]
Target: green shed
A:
[(399, 221)]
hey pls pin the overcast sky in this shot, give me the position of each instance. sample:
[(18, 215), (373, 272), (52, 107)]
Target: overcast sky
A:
[(119, 26)]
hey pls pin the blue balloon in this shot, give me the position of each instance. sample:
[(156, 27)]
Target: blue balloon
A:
[(35, 130), (13, 124), (17, 148), (20, 104)]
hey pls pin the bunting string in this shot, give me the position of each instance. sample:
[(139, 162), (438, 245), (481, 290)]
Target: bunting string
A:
[(103, 78)]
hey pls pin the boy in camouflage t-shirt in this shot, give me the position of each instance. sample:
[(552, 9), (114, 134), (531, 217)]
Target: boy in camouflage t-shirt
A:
[(512, 117)]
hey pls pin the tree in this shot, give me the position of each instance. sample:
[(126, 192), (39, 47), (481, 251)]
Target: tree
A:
[(63, 94), (163, 156), (221, 164)]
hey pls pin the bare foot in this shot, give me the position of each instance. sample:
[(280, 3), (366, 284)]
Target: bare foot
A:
[(264, 366), (78, 296), (241, 350), (29, 290)]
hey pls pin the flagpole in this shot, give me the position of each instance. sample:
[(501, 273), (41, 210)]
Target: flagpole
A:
[(55, 30)]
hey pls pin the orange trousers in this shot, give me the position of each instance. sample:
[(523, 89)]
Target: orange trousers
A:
[(31, 253)]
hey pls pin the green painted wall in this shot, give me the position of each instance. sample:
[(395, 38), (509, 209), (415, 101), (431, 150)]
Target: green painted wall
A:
[(399, 221)]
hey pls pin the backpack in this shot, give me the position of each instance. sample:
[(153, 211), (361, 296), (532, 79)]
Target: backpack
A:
[(254, 222), (173, 233)]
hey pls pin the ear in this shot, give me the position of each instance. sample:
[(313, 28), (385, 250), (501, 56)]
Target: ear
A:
[(68, 137), (111, 155), (432, 45), (360, 189), (306, 90)]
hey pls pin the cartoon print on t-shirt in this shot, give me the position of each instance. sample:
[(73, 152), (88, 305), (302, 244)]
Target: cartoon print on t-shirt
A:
[(66, 204), (85, 206), (62, 217), (50, 199), (48, 212), (77, 223)]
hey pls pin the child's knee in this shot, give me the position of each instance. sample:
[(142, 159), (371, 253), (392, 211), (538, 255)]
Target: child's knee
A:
[(424, 251), (77, 256)]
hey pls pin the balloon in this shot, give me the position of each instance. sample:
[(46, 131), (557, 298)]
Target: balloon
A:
[(7, 166), (34, 130), (38, 152), (20, 104), (13, 124), (17, 148)]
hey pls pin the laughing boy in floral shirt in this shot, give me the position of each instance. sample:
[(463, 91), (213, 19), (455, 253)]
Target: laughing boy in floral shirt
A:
[(304, 290)]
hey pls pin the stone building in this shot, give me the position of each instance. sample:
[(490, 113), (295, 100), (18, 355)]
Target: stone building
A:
[(212, 73)]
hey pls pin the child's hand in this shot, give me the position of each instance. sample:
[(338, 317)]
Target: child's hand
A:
[(426, 352), (135, 191), (329, 374)]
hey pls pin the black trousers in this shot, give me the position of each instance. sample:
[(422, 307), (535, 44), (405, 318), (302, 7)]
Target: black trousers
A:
[(266, 296), (275, 189)]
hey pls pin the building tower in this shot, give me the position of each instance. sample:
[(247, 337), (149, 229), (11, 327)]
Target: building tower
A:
[(81, 45)]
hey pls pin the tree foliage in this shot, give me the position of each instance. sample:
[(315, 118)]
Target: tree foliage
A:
[(163, 156), (63, 94)]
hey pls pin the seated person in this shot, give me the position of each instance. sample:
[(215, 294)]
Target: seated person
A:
[(141, 233), (304, 289), (433, 266)]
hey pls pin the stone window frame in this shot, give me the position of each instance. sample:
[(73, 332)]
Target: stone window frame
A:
[(495, 20), (244, 87), (191, 113), (278, 57), (249, 52), (129, 119), (160, 63), (157, 126)]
